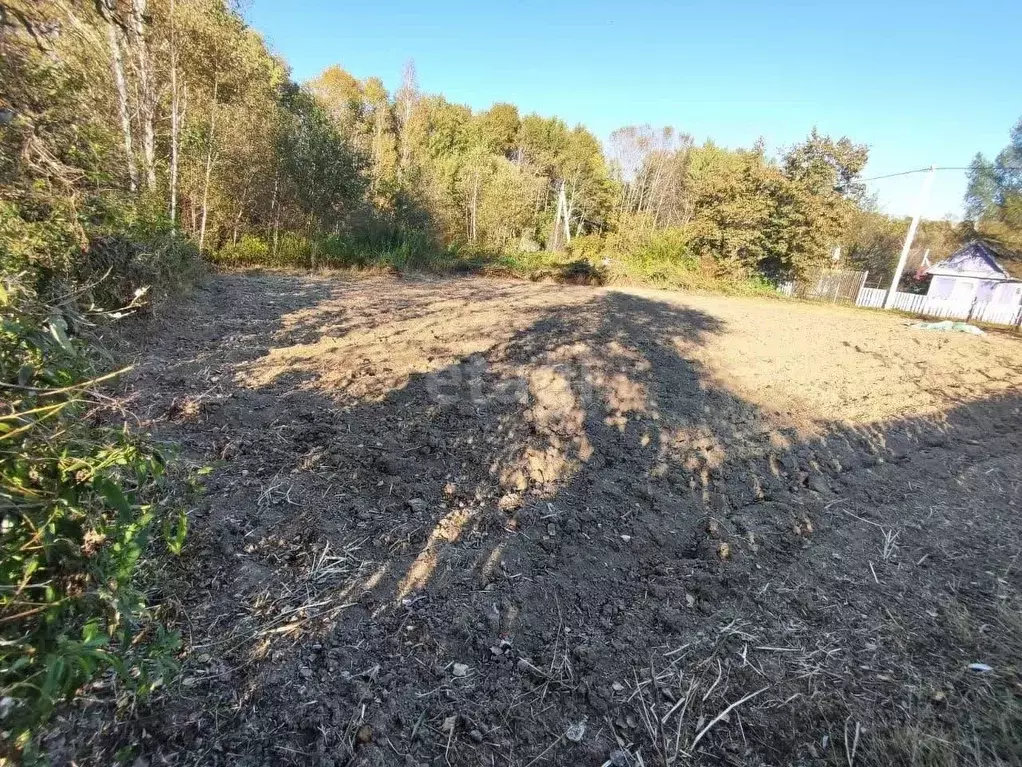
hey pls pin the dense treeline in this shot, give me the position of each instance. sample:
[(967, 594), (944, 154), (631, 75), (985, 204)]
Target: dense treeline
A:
[(135, 132), (172, 117), (500, 181)]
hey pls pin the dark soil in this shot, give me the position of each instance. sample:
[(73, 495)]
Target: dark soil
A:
[(470, 522)]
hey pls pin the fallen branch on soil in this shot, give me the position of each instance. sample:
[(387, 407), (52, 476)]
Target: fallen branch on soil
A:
[(850, 755), (543, 752), (683, 704), (723, 714)]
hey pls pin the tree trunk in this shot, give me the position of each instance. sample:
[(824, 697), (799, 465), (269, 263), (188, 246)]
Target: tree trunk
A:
[(405, 146), (406, 97), (475, 205), (175, 117), (273, 202), (117, 65), (312, 244), (209, 166), (146, 102), (174, 128), (656, 190), (241, 210), (275, 211), (562, 211), (569, 211), (377, 151)]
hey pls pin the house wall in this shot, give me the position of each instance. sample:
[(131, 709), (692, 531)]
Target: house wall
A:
[(1009, 293), (961, 289)]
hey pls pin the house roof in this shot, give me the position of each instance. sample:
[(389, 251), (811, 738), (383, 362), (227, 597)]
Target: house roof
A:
[(1010, 260), (981, 259)]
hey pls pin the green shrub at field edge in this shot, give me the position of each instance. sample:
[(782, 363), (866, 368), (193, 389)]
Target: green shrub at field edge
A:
[(661, 260), (78, 501)]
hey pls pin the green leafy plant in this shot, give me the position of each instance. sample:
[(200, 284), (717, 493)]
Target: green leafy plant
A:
[(174, 532), (78, 499)]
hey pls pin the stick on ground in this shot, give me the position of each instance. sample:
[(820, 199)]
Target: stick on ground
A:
[(724, 713)]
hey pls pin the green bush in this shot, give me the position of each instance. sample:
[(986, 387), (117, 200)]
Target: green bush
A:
[(666, 248), (294, 250), (78, 501), (401, 251), (248, 251), (339, 252), (581, 272), (35, 239), (660, 258), (118, 256), (414, 250), (288, 251), (589, 247)]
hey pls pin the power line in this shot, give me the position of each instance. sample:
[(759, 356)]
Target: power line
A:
[(903, 173), (939, 167)]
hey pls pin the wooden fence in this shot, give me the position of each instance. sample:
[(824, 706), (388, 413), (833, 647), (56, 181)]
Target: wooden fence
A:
[(825, 285), (969, 310), (831, 285)]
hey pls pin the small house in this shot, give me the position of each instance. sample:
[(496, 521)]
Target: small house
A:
[(977, 273)]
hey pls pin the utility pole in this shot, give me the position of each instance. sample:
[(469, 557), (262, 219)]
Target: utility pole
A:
[(923, 194)]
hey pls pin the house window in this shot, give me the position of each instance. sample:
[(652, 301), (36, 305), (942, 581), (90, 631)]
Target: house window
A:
[(965, 290), (941, 287), (985, 292)]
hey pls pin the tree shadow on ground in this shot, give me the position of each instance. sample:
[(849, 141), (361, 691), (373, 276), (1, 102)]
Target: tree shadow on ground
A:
[(572, 543)]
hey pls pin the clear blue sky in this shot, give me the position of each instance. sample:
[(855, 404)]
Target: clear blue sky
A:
[(920, 82)]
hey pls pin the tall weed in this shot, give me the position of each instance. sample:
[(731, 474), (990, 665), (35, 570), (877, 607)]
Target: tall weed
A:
[(79, 497)]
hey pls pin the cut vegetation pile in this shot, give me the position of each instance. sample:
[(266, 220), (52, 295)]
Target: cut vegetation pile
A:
[(506, 523)]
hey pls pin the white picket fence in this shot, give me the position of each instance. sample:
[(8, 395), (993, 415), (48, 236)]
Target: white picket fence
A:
[(872, 297), (997, 314)]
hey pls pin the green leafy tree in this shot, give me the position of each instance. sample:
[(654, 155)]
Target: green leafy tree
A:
[(993, 198), (981, 195), (814, 202), (731, 206), (498, 128)]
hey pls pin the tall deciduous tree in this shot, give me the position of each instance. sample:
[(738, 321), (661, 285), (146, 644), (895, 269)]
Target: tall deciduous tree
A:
[(407, 98), (814, 201), (993, 198), (108, 10)]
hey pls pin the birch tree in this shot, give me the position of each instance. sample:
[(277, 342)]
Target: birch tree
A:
[(406, 100), (107, 9), (146, 91)]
